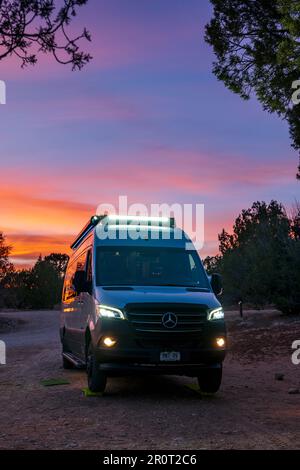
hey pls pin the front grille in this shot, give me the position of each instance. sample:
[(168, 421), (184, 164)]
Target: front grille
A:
[(147, 317), (169, 342)]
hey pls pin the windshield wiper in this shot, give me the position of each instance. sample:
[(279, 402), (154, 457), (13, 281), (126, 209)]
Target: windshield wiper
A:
[(117, 287), (188, 288), (197, 289), (175, 285)]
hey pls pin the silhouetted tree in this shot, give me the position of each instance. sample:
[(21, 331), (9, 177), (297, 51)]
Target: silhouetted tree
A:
[(16, 293), (59, 261), (295, 221), (28, 27), (44, 285), (5, 265), (260, 259), (212, 264), (257, 47), (38, 287)]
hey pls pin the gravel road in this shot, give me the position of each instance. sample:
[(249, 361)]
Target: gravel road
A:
[(251, 411)]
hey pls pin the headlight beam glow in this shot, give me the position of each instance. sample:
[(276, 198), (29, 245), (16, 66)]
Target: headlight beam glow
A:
[(106, 311), (216, 314)]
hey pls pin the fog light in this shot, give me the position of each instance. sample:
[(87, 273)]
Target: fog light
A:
[(109, 342), (220, 342)]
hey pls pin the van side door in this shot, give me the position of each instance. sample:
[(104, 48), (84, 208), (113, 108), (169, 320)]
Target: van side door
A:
[(73, 323), (68, 305), (88, 303)]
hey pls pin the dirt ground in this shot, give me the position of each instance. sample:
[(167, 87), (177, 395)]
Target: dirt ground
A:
[(251, 411)]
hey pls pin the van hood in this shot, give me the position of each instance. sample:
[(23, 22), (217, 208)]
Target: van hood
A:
[(120, 297)]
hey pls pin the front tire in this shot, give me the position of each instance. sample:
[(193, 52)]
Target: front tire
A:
[(96, 378), (210, 380)]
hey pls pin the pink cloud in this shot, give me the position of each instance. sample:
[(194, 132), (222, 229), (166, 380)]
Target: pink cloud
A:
[(155, 171)]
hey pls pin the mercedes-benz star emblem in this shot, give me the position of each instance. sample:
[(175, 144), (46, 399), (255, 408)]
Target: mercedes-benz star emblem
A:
[(169, 320)]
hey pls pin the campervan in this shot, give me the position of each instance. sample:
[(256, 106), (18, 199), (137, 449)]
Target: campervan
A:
[(136, 299)]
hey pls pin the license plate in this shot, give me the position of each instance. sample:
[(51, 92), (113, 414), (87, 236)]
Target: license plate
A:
[(170, 356)]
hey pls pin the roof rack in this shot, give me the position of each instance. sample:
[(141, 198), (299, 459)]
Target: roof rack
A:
[(116, 219), (86, 230), (122, 220)]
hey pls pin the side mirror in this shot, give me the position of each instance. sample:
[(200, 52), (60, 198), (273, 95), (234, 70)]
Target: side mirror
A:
[(79, 281), (216, 284)]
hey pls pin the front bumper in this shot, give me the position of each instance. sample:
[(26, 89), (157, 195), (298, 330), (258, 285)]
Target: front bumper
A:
[(190, 370), (134, 353)]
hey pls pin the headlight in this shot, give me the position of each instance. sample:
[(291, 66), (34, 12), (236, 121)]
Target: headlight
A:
[(109, 312), (216, 314)]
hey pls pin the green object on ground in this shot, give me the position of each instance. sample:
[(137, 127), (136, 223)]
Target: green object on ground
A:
[(194, 388), (51, 382), (88, 393)]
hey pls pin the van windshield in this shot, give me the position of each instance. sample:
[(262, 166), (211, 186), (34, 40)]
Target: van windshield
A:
[(149, 266)]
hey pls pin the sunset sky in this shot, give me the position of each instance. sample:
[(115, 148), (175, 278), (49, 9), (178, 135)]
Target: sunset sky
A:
[(146, 119)]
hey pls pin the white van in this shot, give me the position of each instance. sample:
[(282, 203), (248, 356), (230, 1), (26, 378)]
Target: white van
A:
[(136, 300)]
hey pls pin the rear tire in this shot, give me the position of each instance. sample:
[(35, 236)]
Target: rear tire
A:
[(210, 380), (96, 378)]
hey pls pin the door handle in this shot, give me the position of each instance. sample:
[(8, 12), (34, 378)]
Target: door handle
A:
[(80, 302)]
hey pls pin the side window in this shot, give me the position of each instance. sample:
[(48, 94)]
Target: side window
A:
[(192, 263), (193, 269), (77, 265), (80, 262), (89, 272), (69, 292)]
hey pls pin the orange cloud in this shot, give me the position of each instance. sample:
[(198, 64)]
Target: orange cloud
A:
[(35, 226), (28, 214), (27, 248)]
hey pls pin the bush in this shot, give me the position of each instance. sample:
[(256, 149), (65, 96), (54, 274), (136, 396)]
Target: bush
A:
[(260, 260), (36, 288)]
